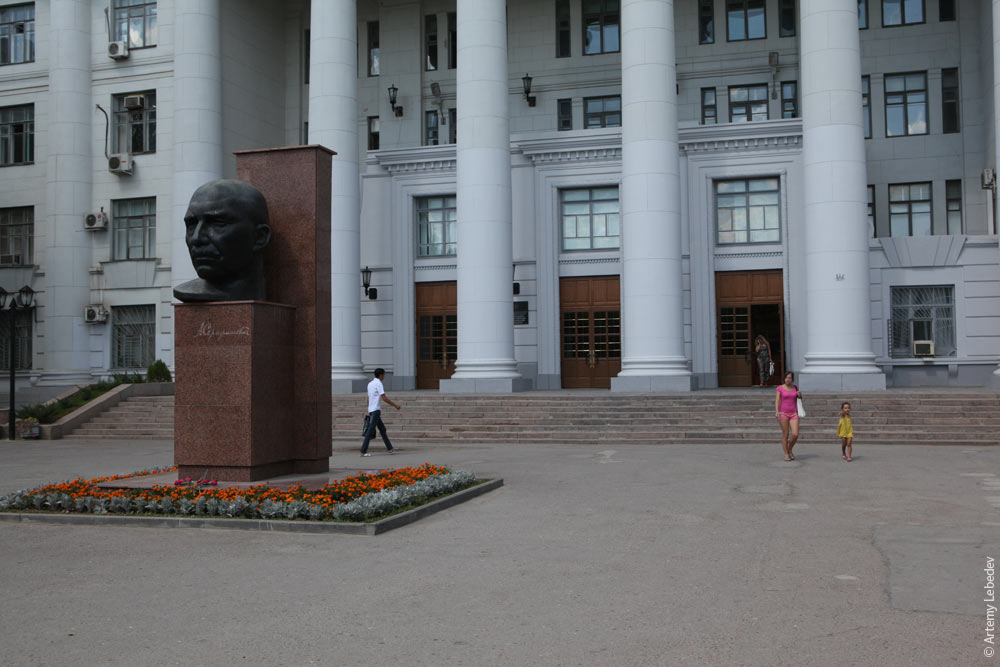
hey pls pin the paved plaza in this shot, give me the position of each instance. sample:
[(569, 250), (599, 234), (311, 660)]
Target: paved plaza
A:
[(626, 555)]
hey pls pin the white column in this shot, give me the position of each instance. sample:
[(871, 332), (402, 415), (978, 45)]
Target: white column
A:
[(333, 123), (838, 338), (653, 356), (485, 245), (996, 126), (68, 194), (197, 122)]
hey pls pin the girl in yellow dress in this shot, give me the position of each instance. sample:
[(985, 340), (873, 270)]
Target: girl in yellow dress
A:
[(845, 431)]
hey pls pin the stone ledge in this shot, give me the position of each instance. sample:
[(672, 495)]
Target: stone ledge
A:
[(268, 525)]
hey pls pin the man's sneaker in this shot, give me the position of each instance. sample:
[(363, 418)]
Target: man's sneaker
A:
[(392, 451), (366, 454)]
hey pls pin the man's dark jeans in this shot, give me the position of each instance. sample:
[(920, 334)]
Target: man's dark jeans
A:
[(376, 420)]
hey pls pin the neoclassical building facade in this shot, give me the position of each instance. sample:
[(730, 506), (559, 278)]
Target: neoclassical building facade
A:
[(526, 194)]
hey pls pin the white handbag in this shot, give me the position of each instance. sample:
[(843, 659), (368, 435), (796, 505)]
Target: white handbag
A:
[(798, 404)]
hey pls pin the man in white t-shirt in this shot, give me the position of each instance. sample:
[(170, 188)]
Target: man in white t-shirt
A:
[(376, 393)]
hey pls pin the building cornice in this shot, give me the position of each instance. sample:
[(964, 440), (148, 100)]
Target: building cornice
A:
[(729, 137), (422, 159), (573, 146)]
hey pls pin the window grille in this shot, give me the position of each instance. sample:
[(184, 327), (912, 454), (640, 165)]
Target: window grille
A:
[(17, 228), (17, 34), (591, 219), (133, 340), (437, 226), (22, 334), (922, 313), (135, 129), (135, 22), (17, 134)]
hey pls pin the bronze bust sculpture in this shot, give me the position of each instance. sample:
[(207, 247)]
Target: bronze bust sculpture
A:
[(227, 228)]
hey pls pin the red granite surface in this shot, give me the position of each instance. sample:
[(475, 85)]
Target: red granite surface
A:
[(312, 482), (234, 415), (296, 182)]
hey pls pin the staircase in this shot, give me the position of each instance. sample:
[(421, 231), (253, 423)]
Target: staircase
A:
[(137, 418), (946, 417)]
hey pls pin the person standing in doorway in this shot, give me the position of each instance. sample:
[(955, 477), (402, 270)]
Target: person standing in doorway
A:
[(376, 393), (763, 351)]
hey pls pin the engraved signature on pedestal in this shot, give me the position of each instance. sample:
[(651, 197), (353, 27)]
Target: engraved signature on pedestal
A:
[(207, 330)]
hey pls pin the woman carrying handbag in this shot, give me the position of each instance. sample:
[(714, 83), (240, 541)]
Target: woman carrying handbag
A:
[(787, 406)]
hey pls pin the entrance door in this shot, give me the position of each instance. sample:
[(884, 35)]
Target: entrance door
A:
[(749, 303), (437, 332), (591, 331)]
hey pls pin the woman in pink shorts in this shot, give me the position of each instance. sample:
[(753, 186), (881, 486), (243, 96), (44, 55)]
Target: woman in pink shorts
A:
[(787, 412)]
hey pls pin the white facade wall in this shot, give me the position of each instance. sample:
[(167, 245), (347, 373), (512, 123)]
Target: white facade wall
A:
[(266, 103)]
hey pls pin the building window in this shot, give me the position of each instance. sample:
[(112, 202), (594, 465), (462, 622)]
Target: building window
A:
[(135, 22), (135, 123), (437, 226), (373, 53), (565, 114), (373, 130), (747, 211), (709, 113), (910, 209), (866, 104), (953, 199), (902, 12), (862, 14), (431, 128), (946, 10), (871, 211), (591, 219), (905, 104), (706, 21), (562, 29), (23, 320), (17, 34), (949, 100), (430, 42), (600, 27), (452, 126), (747, 103), (17, 227), (17, 134), (745, 19), (786, 18), (452, 40), (134, 223), (133, 336), (602, 111), (789, 99), (924, 313)]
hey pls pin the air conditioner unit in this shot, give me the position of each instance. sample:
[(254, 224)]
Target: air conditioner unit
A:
[(95, 314), (118, 50), (120, 163), (923, 348), (134, 102), (96, 221), (989, 178)]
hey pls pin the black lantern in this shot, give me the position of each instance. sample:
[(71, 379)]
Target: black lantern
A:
[(366, 281), (393, 92), (526, 80)]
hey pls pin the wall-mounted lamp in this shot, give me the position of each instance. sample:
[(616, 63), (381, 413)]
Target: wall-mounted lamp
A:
[(366, 281), (526, 80), (393, 91)]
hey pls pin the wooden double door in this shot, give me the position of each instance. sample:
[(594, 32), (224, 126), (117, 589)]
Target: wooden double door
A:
[(437, 332), (590, 331), (748, 304)]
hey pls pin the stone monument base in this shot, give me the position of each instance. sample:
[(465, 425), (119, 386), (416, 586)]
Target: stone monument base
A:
[(234, 415)]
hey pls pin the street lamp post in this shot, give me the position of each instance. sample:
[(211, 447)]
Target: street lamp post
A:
[(23, 299)]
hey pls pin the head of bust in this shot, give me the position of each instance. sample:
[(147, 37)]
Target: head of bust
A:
[(226, 228)]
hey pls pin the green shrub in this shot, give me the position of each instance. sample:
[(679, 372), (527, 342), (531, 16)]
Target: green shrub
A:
[(158, 372)]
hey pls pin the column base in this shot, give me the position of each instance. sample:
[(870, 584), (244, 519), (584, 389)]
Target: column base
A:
[(352, 386), (652, 383), (484, 385), (821, 381)]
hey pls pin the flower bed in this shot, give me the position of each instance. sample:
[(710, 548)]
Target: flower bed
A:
[(363, 497)]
